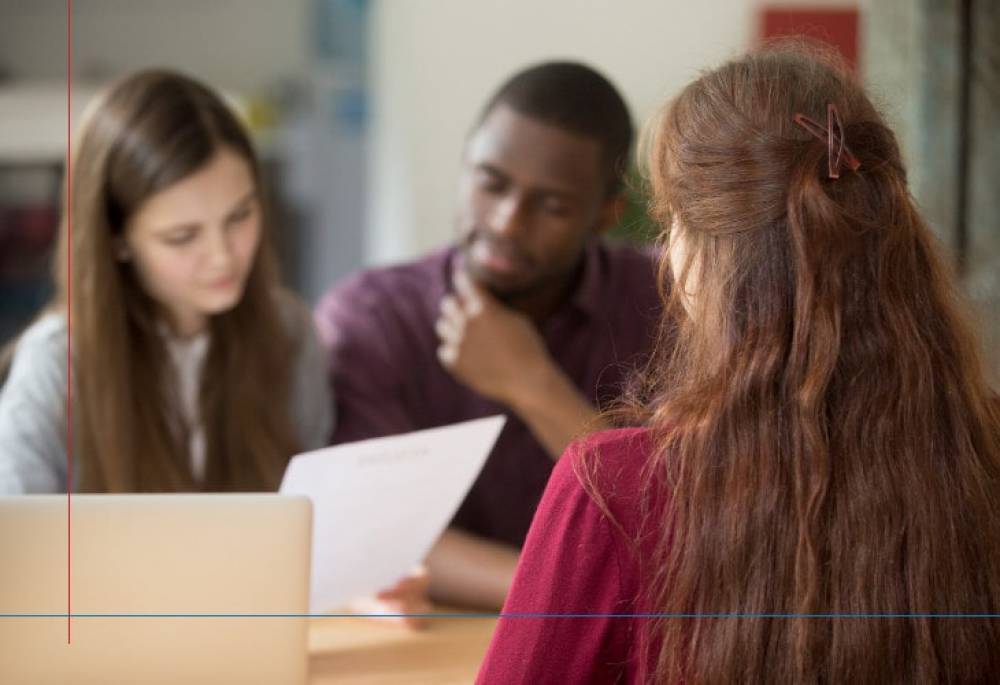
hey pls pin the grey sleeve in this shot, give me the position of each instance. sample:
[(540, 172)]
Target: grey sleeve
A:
[(33, 413), (312, 397)]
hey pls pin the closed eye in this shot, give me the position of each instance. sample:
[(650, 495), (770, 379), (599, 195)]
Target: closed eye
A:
[(490, 182), (181, 237), (241, 214)]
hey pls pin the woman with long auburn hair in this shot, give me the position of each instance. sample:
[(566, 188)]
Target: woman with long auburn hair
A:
[(192, 369), (814, 496)]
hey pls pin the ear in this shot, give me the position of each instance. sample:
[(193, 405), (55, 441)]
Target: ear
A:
[(611, 213)]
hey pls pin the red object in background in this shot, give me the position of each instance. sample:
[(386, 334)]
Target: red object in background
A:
[(837, 27), (27, 238)]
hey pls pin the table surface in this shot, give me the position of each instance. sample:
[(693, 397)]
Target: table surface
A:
[(360, 651)]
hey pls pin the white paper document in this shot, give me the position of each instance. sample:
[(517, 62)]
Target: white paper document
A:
[(379, 505)]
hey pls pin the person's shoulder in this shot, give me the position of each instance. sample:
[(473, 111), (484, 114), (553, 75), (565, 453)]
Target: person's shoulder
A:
[(48, 331), (612, 468), (614, 454), (633, 269), (608, 460), (43, 343), (636, 263), (394, 282), (630, 256), (617, 441), (39, 355), (388, 304)]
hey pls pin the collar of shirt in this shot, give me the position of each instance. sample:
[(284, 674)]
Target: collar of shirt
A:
[(587, 296), (187, 356)]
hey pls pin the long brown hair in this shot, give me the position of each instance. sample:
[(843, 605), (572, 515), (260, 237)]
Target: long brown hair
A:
[(822, 419), (141, 135)]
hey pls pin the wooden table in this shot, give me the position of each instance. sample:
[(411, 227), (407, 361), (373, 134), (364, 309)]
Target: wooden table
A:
[(361, 651)]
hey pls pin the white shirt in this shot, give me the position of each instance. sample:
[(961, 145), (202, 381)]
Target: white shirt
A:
[(188, 357), (33, 453)]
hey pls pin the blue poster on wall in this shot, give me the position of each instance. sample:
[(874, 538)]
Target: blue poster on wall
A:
[(340, 47), (328, 150), (340, 30)]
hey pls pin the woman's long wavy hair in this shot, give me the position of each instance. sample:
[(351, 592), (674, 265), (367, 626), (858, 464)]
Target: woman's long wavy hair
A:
[(822, 417), (139, 137)]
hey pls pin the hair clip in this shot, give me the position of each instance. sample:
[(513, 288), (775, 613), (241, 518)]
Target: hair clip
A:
[(832, 138)]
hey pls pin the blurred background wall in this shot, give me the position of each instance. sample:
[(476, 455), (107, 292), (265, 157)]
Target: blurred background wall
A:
[(244, 44), (436, 62), (361, 107), (935, 67)]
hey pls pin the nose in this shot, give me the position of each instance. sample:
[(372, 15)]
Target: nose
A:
[(220, 249), (507, 216)]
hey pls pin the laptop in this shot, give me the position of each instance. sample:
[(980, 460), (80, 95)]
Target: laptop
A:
[(165, 556)]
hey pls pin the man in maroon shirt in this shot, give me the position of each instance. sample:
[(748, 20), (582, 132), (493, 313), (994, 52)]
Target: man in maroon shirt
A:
[(531, 314)]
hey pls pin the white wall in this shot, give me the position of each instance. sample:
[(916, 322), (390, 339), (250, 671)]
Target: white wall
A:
[(436, 61), (236, 44), (433, 64)]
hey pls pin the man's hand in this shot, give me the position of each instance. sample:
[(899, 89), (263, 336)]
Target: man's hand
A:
[(404, 599), (499, 353), (487, 346)]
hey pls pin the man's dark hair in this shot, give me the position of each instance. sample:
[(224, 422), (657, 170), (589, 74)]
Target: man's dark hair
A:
[(577, 99)]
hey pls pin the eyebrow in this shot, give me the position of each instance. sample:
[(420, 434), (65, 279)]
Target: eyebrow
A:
[(164, 230), (562, 193)]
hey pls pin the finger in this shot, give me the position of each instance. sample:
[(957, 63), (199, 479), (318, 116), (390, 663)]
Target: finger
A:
[(416, 618), (403, 588), (419, 574), (367, 606), (447, 331), (468, 293), (410, 610), (412, 615), (447, 354), (415, 584), (409, 602), (451, 309)]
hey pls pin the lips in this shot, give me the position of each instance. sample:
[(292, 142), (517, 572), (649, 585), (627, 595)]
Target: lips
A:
[(223, 283), (497, 257)]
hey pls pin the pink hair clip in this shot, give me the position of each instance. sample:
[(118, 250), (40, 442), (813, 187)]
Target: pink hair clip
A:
[(834, 139)]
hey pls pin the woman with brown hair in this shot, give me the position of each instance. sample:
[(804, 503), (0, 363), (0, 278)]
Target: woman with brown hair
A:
[(192, 369), (815, 494)]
